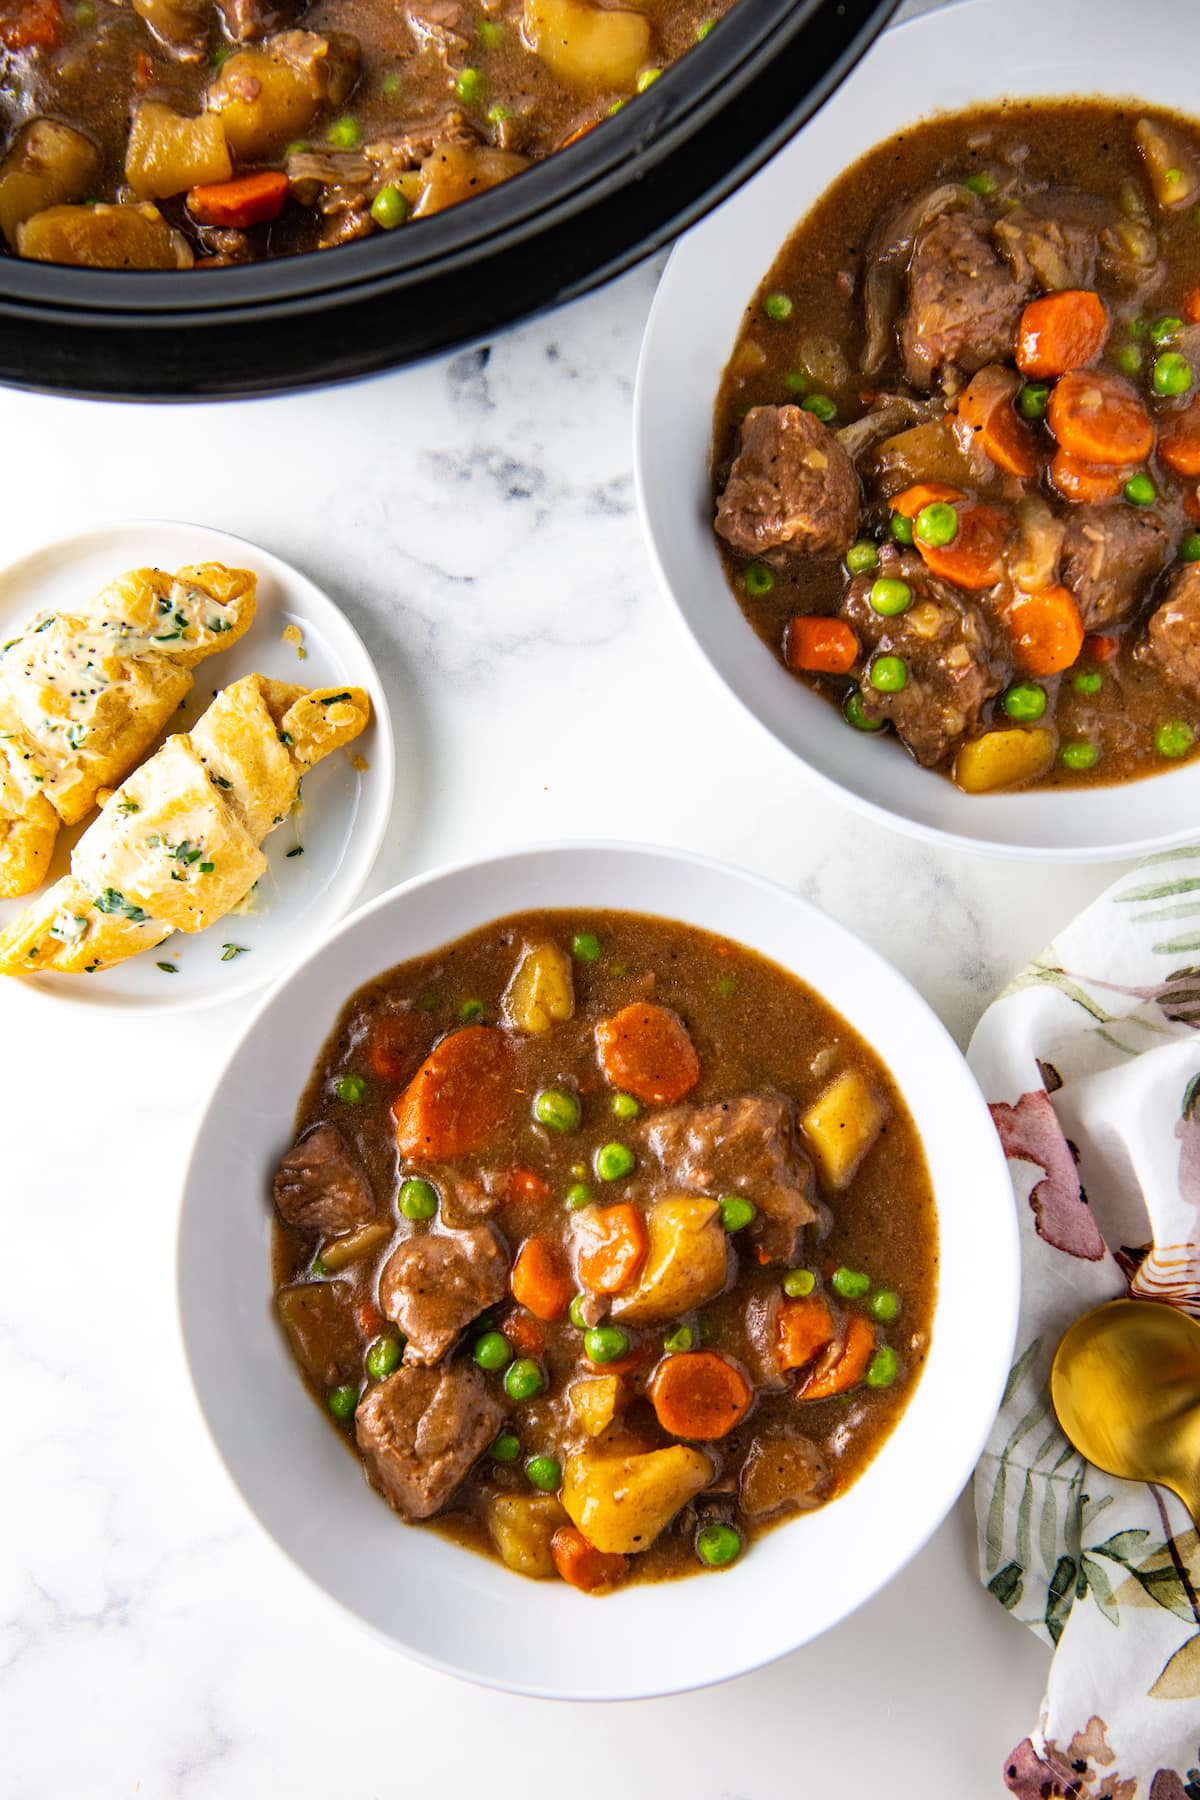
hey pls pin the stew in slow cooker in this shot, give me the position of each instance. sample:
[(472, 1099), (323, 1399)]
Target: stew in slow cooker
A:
[(158, 134), (957, 447), (606, 1243)]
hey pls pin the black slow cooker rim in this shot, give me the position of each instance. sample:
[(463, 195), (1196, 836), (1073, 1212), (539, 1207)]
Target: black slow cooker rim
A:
[(565, 226)]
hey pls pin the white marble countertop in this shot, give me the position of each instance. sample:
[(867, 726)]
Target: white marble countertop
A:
[(475, 519)]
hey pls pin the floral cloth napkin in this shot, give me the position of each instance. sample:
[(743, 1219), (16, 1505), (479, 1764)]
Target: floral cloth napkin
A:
[(1091, 1063)]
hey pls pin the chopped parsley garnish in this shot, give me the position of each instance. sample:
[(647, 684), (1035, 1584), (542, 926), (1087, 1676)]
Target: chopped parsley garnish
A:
[(285, 737), (219, 625), (76, 735), (9, 645), (296, 850), (128, 806), (45, 624), (164, 603), (207, 868), (110, 901), (167, 968), (229, 951), (332, 699), (219, 780), (166, 637)]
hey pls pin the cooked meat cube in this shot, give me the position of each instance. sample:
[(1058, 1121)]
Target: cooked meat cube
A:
[(1173, 634), (745, 1146), (437, 25), (316, 1316), (319, 1185), (249, 19), (421, 1429), (1111, 554), (792, 488), (964, 301), (783, 1474), (434, 1285), (949, 653), (1050, 239)]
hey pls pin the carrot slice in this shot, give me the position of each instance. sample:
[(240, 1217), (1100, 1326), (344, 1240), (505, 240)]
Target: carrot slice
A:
[(580, 131), (1099, 418), (846, 1366), (581, 1564), (802, 1329), (913, 499), (527, 1184), (541, 1282), (1101, 648), (1047, 631), (987, 408), (610, 1246), (1191, 306), (646, 1051), (1061, 331), (973, 559), (821, 646), (524, 1334), (1083, 481), (457, 1097), (247, 200), (1179, 440), (699, 1395)]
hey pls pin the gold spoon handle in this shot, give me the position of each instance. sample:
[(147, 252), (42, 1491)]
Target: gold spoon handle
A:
[(1188, 1489)]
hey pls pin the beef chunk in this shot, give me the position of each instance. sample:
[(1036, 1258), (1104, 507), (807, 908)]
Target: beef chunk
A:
[(1111, 554), (964, 301), (792, 488), (1173, 634), (947, 645), (783, 1473), (319, 1185), (246, 20), (744, 1146), (1051, 238), (434, 1285), (421, 1429)]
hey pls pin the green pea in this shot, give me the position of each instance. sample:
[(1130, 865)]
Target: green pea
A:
[(1025, 701), (1033, 400), (345, 133), (350, 1089), (888, 674), (821, 407), (647, 79), (491, 33), (1174, 738), (605, 1343), (383, 1356), (470, 1011), (890, 596), (718, 1545), (901, 529), (470, 86), (884, 1306), (1129, 359), (758, 580), (702, 31), (799, 1282), (850, 1284), (1140, 490), (342, 1402), (1079, 755), (796, 382), (726, 987), (557, 1110), (981, 183), (937, 524), (736, 1213), (777, 306), (492, 1351), (506, 1448), (1164, 329), (575, 1312), (625, 1106), (1189, 548), (390, 208), (679, 1340), (1172, 374), (389, 87), (852, 712), (545, 1472), (85, 13), (862, 556), (578, 1194), (418, 1199), (585, 947), (523, 1380), (1138, 327), (883, 1367), (496, 114), (1088, 681), (613, 1161), (319, 1267)]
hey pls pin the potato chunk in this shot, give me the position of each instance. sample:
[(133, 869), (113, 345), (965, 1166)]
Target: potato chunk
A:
[(168, 153), (457, 172), (48, 165), (340, 1252), (841, 1126), (541, 992), (522, 1526), (621, 1503), (104, 237), (593, 1401), (592, 49), (269, 94), (1003, 759), (687, 1261)]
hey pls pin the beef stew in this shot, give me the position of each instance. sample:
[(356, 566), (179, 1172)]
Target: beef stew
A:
[(605, 1243)]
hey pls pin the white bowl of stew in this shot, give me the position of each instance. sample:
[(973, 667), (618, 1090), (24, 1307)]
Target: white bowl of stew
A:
[(425, 1586), (1004, 75)]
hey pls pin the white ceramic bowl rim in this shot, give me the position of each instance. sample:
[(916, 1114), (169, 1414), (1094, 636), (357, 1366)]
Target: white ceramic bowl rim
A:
[(457, 1610)]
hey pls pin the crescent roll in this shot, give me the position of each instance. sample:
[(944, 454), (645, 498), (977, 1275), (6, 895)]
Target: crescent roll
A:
[(83, 695), (177, 845)]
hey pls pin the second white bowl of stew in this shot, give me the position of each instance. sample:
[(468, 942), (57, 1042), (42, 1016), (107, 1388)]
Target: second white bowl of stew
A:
[(920, 468), (555, 1248)]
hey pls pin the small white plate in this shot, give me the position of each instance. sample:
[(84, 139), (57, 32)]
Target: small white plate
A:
[(345, 810)]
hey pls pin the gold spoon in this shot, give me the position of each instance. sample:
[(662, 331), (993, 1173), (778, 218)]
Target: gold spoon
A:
[(1125, 1383)]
